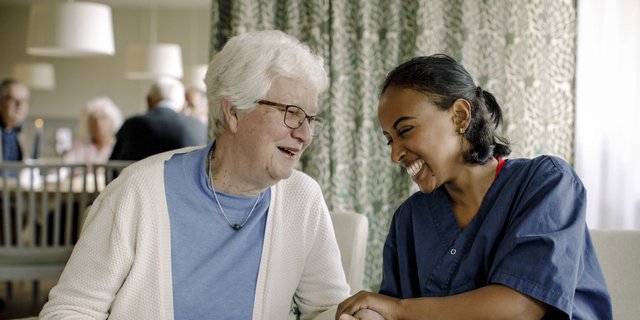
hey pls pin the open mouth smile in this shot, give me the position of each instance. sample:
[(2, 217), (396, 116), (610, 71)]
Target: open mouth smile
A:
[(415, 167), (289, 152)]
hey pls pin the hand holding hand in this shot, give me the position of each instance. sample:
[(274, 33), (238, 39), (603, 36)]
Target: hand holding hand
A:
[(363, 314), (367, 305)]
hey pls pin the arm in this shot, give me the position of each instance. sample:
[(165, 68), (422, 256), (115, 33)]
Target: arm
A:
[(490, 302), (97, 269), (322, 284)]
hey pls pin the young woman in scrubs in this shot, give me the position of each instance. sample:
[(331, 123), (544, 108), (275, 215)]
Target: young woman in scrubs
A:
[(485, 238)]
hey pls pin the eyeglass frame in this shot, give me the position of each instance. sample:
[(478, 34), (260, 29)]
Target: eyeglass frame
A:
[(300, 123)]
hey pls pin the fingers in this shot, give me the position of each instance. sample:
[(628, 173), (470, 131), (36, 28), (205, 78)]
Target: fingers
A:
[(368, 314), (352, 304), (345, 316)]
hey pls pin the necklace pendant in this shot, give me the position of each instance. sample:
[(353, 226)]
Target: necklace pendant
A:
[(236, 226)]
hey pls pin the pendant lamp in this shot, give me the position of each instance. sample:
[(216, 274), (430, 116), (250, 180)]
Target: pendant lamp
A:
[(194, 77), (70, 29), (38, 76), (149, 61)]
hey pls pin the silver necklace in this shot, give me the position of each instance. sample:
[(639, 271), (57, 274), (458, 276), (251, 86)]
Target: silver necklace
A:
[(234, 226)]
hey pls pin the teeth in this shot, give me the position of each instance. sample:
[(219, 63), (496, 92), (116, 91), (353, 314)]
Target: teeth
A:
[(415, 167), (288, 151)]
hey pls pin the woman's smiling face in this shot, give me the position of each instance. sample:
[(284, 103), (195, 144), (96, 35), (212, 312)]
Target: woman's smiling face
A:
[(422, 136)]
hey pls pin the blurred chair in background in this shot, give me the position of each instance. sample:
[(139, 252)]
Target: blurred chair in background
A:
[(37, 231), (619, 256)]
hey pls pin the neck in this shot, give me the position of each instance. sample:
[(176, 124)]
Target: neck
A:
[(468, 189), (99, 142), (230, 173)]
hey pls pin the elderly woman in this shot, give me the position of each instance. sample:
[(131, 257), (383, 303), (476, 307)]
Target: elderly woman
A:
[(228, 231), (485, 238), (97, 127)]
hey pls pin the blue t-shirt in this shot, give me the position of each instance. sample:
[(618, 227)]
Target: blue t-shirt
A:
[(214, 268), (529, 234)]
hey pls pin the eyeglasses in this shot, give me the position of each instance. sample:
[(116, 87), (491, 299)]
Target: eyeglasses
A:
[(294, 117)]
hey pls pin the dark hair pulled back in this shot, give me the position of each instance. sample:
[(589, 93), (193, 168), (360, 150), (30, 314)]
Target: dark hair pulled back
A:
[(443, 80)]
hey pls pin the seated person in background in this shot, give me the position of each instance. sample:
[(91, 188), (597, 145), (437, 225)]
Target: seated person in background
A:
[(197, 105), (19, 137), (484, 238), (225, 231), (161, 129), (97, 126)]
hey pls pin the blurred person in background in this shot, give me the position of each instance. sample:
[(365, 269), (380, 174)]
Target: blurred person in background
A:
[(97, 126), (19, 137), (197, 105), (161, 129)]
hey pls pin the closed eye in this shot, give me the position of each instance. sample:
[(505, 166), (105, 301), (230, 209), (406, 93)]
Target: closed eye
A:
[(404, 130)]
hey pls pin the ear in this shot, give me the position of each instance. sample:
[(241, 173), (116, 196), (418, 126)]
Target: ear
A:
[(461, 110), (230, 114)]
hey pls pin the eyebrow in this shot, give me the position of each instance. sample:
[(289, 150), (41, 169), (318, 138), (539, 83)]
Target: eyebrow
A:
[(395, 124)]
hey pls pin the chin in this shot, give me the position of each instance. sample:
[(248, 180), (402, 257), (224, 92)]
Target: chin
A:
[(426, 189), (282, 174)]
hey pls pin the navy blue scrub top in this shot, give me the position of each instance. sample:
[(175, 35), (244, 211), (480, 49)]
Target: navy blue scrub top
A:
[(529, 234)]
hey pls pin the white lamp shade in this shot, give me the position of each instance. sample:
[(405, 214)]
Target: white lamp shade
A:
[(70, 29), (39, 76), (148, 61), (194, 77)]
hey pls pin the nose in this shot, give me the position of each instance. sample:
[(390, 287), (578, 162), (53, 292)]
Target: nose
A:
[(397, 152), (303, 133)]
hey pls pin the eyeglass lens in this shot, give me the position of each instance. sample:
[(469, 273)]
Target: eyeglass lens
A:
[(295, 117)]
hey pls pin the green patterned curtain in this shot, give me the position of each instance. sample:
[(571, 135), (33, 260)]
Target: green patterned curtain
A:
[(523, 51)]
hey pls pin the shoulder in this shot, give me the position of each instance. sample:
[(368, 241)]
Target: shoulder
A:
[(28, 124), (191, 122), (28, 128), (133, 122), (542, 168), (151, 166), (81, 143), (300, 182)]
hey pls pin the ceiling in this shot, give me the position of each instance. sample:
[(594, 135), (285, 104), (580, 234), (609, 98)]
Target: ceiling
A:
[(126, 3)]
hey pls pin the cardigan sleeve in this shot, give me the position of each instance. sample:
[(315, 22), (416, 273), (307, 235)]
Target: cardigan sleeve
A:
[(98, 266), (323, 284)]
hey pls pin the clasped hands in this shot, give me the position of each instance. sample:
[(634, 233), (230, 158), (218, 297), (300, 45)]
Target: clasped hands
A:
[(366, 305)]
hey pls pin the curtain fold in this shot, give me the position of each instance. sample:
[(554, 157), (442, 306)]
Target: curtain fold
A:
[(608, 111), (522, 51)]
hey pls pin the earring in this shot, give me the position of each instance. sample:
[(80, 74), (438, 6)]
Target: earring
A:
[(461, 130)]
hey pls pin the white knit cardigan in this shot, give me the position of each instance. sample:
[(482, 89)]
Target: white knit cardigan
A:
[(121, 266)]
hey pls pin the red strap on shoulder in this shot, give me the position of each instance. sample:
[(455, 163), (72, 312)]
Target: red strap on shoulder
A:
[(500, 164)]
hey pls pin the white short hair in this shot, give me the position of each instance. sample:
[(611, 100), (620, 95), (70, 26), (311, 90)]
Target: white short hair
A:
[(92, 106), (245, 69), (168, 88)]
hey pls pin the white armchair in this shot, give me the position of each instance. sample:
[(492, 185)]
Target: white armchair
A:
[(619, 256), (352, 230)]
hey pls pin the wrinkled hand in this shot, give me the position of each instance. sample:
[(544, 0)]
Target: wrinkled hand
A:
[(363, 314), (367, 305)]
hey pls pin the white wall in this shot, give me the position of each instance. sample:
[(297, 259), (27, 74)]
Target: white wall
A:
[(81, 79)]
